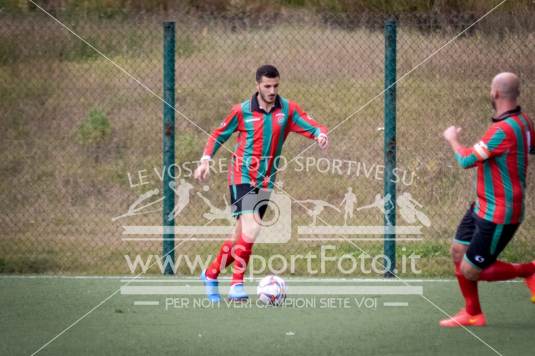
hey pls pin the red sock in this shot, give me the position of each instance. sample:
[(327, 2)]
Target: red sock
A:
[(502, 271), (469, 291), (241, 252), (223, 259)]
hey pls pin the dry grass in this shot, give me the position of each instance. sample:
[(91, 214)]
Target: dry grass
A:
[(57, 197)]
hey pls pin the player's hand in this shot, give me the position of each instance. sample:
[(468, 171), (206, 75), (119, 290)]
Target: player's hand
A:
[(202, 172), (323, 141), (452, 133)]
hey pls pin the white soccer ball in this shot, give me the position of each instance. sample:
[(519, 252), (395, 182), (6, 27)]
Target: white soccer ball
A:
[(271, 290)]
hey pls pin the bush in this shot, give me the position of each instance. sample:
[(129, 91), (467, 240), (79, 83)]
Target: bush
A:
[(94, 132)]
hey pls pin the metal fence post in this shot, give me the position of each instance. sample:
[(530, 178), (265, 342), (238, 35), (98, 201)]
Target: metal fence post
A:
[(168, 142), (390, 148)]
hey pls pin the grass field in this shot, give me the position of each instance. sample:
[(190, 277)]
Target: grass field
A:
[(34, 309)]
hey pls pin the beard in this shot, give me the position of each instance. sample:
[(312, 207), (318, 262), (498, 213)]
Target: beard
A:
[(267, 98)]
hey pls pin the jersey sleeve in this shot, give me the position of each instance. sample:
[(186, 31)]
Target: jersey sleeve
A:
[(303, 124), (492, 144), (220, 135), (531, 136)]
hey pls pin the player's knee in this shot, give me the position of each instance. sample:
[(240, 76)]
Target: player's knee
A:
[(469, 272), (237, 231), (457, 252), (250, 231), (249, 225)]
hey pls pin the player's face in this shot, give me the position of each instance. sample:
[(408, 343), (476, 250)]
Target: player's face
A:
[(268, 89)]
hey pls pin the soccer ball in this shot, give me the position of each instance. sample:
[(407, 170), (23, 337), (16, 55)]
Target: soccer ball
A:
[(271, 290)]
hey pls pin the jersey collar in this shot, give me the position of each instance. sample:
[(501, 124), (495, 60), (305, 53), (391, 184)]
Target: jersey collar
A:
[(506, 114), (256, 107)]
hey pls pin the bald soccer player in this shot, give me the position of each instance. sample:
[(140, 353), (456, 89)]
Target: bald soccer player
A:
[(501, 160)]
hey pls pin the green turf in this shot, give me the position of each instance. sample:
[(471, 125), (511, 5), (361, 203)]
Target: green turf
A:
[(34, 310)]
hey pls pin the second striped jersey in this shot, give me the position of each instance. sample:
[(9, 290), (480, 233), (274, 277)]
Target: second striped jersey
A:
[(501, 159)]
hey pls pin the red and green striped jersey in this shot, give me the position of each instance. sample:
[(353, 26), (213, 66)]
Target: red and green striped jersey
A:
[(501, 158), (258, 148)]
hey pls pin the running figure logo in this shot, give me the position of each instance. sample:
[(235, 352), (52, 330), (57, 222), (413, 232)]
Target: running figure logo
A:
[(350, 199)]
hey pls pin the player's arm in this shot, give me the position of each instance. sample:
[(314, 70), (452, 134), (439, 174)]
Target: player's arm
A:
[(531, 136), (303, 124), (218, 137), (493, 143)]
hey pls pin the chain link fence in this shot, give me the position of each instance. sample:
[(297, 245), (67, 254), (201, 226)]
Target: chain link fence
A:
[(81, 137)]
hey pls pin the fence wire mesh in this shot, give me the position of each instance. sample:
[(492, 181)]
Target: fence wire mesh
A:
[(82, 136)]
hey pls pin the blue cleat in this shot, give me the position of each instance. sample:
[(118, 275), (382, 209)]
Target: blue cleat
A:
[(212, 289), (237, 293)]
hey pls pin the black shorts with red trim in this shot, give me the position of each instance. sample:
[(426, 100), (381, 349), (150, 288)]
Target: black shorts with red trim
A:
[(485, 239), (246, 198)]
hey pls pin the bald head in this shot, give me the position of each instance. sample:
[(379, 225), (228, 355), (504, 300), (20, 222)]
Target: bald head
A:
[(506, 86)]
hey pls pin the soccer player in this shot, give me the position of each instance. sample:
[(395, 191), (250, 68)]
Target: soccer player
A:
[(263, 123), (501, 159)]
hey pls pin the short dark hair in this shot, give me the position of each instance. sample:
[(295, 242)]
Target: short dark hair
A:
[(267, 70)]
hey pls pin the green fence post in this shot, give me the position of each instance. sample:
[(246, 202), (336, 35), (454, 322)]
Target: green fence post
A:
[(168, 141), (390, 148)]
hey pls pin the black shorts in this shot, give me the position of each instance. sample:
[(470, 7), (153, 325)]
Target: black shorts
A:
[(485, 239), (245, 198)]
